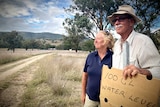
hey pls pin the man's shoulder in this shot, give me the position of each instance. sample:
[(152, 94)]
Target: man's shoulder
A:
[(142, 39), (141, 36)]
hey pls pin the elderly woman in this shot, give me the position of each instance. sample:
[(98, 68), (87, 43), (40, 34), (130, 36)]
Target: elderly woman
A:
[(91, 76)]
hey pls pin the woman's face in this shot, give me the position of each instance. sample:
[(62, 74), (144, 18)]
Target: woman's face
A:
[(100, 41)]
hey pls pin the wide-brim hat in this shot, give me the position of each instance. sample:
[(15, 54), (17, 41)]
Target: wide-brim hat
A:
[(124, 9)]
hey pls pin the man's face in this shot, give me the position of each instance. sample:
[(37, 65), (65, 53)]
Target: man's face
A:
[(122, 23)]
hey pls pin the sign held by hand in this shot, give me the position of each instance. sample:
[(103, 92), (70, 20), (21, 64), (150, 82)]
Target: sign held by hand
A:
[(134, 92)]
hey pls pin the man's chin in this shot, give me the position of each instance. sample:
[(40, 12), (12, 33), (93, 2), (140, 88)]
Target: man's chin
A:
[(119, 32)]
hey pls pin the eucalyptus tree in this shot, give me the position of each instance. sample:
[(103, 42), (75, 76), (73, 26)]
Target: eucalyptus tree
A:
[(87, 45), (98, 10), (148, 10), (3, 43), (13, 40), (77, 28), (95, 10)]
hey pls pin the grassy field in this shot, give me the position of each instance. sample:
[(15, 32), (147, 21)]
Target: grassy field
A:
[(8, 56), (55, 82)]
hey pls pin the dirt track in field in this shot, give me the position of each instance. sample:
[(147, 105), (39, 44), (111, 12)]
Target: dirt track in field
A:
[(16, 66), (11, 96), (25, 70)]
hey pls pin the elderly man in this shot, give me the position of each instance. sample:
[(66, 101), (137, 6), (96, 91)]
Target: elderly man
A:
[(143, 56)]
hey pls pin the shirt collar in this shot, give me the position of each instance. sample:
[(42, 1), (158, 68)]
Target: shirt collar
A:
[(96, 53), (107, 52), (131, 37)]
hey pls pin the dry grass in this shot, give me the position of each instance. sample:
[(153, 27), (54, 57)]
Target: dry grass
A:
[(57, 82), (8, 56)]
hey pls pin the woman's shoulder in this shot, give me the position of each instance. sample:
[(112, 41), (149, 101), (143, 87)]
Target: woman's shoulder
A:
[(93, 53)]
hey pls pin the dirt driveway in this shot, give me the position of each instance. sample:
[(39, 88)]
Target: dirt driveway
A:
[(11, 96), (9, 69)]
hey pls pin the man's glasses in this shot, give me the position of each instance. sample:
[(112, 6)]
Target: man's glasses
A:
[(120, 19)]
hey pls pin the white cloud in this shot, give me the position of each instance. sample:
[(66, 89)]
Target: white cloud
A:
[(29, 4), (35, 15), (36, 21), (32, 16), (11, 10)]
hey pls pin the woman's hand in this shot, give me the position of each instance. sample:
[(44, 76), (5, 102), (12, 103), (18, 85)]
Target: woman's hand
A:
[(83, 96)]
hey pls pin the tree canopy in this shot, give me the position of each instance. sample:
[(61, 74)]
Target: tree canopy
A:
[(13, 40), (97, 12), (77, 28)]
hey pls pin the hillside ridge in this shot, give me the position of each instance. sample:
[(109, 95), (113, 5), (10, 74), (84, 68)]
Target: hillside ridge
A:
[(42, 35)]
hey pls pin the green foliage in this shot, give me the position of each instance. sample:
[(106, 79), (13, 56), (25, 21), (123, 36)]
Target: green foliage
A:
[(3, 43), (156, 39), (98, 10), (12, 40), (36, 44), (77, 29), (67, 43), (27, 40), (91, 11), (95, 10), (87, 45)]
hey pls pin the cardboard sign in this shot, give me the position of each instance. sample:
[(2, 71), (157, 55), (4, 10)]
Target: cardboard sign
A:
[(135, 92)]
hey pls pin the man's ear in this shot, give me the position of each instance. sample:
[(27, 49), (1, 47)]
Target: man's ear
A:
[(132, 22)]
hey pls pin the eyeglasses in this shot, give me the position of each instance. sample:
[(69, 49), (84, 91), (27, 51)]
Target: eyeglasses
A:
[(120, 19)]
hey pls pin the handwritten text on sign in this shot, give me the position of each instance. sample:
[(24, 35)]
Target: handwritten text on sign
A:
[(117, 92)]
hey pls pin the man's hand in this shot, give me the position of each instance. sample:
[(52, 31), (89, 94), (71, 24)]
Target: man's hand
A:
[(131, 71)]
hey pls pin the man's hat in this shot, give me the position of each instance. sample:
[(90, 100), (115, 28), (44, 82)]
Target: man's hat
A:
[(124, 9)]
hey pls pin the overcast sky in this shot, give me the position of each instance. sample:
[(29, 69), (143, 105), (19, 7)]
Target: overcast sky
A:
[(34, 15)]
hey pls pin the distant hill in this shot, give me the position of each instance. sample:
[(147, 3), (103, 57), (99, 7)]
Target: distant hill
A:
[(43, 35)]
